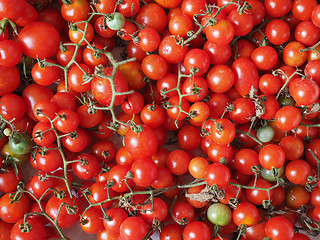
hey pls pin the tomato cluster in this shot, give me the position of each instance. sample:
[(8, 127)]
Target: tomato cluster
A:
[(176, 119)]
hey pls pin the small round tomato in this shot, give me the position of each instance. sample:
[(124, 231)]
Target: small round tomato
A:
[(154, 67), (171, 51), (36, 231), (297, 171), (45, 75), (256, 196), (115, 21), (102, 89), (66, 218), (77, 10), (67, 121), (246, 213), (39, 39), (196, 230), (133, 228), (277, 8), (149, 39), (287, 118), (220, 78), (219, 214), (178, 161), (9, 79), (217, 174), (145, 172), (20, 143), (171, 231), (271, 156), (242, 23), (292, 56), (223, 131), (245, 159), (264, 57), (78, 30), (304, 91), (86, 166), (142, 143), (279, 228), (117, 216), (12, 210), (11, 53), (8, 179), (12, 107), (92, 222), (157, 210)]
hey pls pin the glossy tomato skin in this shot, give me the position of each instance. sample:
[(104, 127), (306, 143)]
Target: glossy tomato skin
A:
[(217, 54), (277, 8), (246, 76), (93, 221), (246, 213), (77, 11), (118, 215), (5, 230), (8, 179), (149, 39), (256, 196), (145, 172), (9, 79), (133, 228), (218, 174), (102, 90), (183, 210), (223, 131), (142, 144), (292, 56), (39, 39), (76, 78), (13, 211), (32, 95), (152, 15), (37, 230), (65, 219), (304, 91), (171, 51), (12, 107), (287, 118), (177, 162), (45, 75), (88, 169), (12, 9), (271, 156), (157, 210), (171, 231), (11, 53), (279, 228), (196, 230)]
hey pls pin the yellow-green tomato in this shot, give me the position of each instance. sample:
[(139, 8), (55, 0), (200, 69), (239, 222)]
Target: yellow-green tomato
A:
[(116, 21), (20, 143), (219, 214)]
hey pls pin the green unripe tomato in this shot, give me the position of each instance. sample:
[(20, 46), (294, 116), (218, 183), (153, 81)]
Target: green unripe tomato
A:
[(268, 175), (219, 214), (286, 101), (115, 21), (20, 143), (265, 134)]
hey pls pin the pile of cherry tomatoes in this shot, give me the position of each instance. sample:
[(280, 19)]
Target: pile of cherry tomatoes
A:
[(163, 119)]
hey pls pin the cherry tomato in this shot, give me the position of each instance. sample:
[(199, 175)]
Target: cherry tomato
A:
[(39, 39), (279, 228), (66, 218)]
